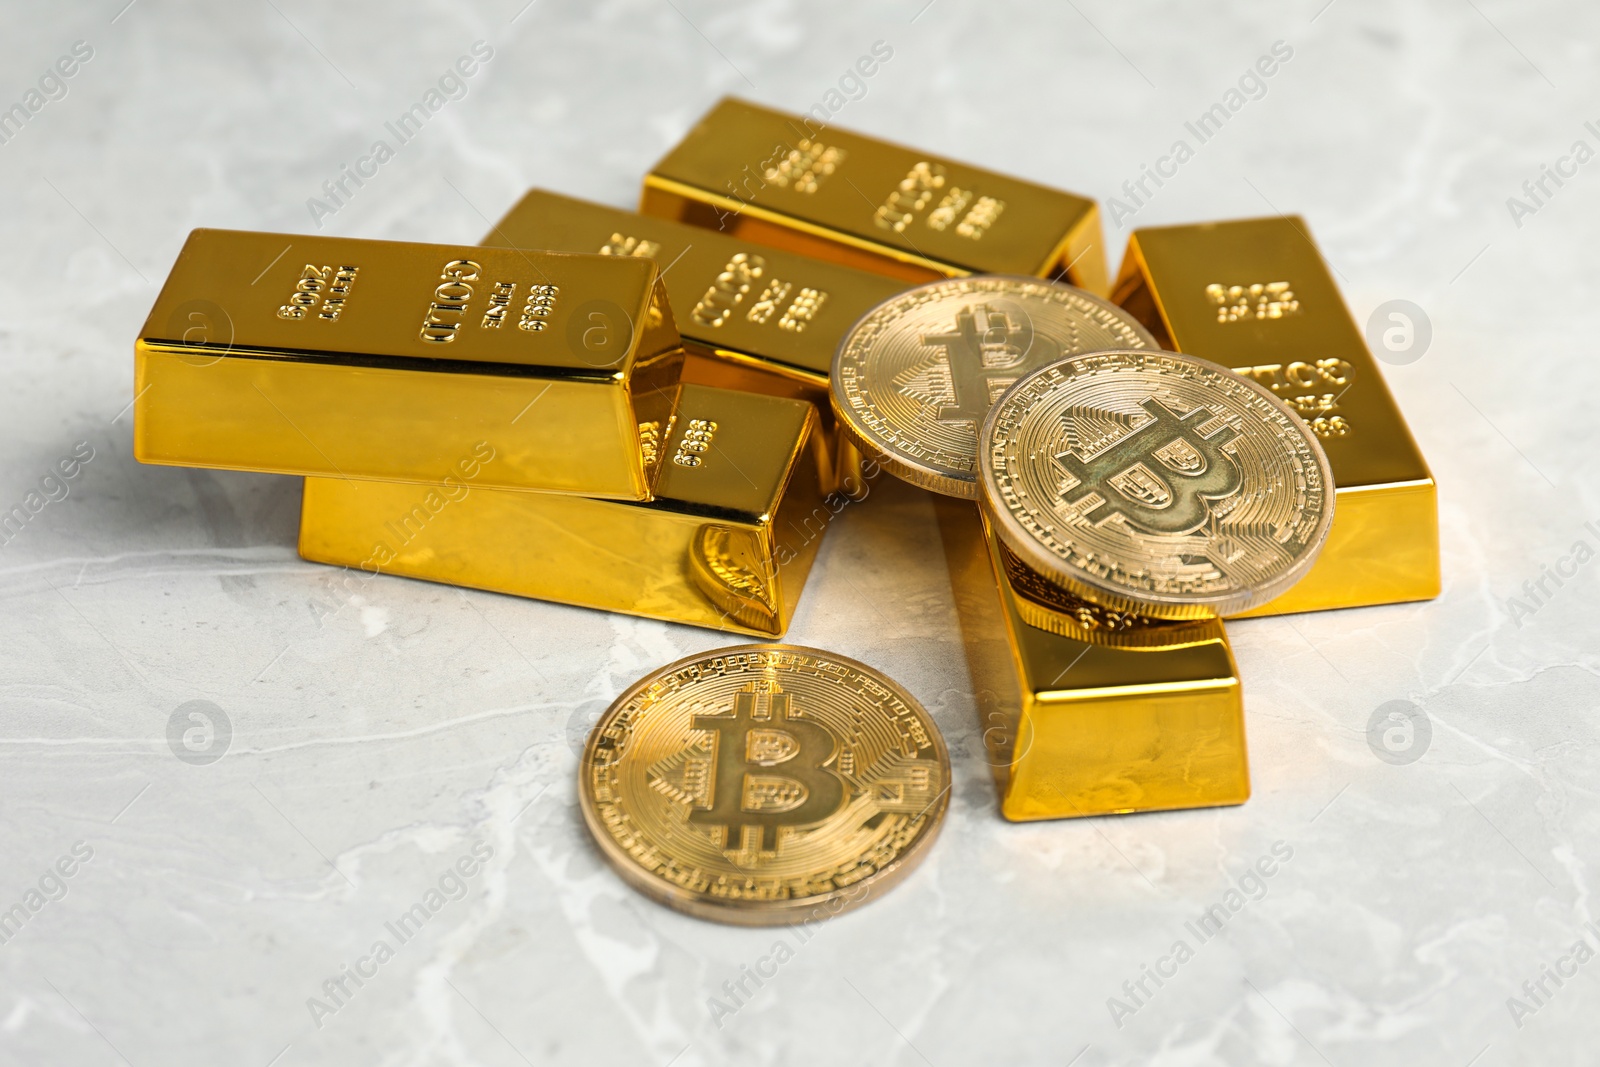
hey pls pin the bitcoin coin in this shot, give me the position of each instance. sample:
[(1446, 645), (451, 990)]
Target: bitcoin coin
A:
[(764, 784), (1156, 483), (914, 377)]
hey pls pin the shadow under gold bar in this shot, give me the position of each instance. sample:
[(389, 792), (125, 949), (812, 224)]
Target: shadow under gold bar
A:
[(782, 180), (1255, 295), (754, 318), (385, 360), (1087, 712), (726, 543)]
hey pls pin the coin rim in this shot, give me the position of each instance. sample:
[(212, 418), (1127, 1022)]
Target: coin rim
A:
[(1118, 598), (1173, 634), (902, 467), (746, 912)]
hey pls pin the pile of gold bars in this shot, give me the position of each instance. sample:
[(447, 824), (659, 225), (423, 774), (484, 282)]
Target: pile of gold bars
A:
[(631, 412)]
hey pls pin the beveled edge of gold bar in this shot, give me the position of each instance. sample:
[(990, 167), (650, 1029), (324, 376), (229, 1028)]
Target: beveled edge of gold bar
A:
[(681, 191)]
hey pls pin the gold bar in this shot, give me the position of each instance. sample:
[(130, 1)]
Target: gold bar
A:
[(726, 543), (782, 180), (1256, 296), (1079, 722), (382, 360), (753, 318), (762, 308)]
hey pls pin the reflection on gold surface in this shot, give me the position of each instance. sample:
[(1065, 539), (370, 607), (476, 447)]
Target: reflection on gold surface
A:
[(1255, 295), (763, 176), (743, 461), (729, 567)]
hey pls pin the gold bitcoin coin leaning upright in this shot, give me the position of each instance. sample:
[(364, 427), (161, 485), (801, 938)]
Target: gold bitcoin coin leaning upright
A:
[(914, 377), (1156, 483), (764, 784)]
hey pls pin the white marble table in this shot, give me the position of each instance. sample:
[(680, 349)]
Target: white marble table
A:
[(372, 748)]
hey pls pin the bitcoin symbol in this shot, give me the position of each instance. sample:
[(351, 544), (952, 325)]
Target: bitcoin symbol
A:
[(1160, 478), (989, 344), (745, 796)]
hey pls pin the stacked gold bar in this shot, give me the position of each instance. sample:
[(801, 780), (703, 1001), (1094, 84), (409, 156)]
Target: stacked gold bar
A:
[(1255, 296), (503, 419)]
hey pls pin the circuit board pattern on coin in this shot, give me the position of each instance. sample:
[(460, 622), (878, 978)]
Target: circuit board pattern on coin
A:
[(764, 784), (1156, 483), (915, 377)]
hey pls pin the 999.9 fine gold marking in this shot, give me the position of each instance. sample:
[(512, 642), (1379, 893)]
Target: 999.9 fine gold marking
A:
[(1155, 483), (764, 784)]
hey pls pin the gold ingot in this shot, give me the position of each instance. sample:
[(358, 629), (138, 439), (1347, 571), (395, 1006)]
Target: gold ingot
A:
[(1255, 295), (726, 543), (780, 180), (382, 360), (735, 301), (754, 318), (1081, 721)]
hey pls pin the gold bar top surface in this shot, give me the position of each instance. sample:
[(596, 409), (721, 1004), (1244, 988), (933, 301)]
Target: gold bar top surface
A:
[(389, 360), (1256, 296), (726, 543), (782, 180), (761, 307)]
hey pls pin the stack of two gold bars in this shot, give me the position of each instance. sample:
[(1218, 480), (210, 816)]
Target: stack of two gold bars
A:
[(532, 422), (503, 419)]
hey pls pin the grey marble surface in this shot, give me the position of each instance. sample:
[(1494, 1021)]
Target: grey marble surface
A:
[(370, 749)]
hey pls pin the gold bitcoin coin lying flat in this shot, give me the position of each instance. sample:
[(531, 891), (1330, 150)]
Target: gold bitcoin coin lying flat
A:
[(914, 378), (1156, 483), (764, 784)]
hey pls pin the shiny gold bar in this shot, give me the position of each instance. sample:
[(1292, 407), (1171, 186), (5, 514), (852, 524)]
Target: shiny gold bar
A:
[(1084, 712), (382, 360), (785, 181), (726, 543), (1256, 296), (771, 311), (753, 318)]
